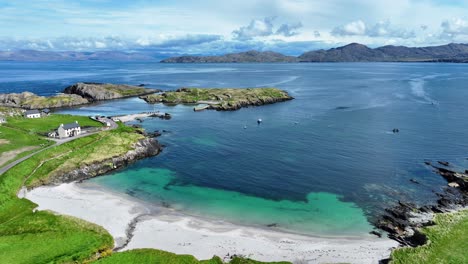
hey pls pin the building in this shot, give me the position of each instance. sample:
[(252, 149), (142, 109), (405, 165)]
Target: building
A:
[(32, 113), (69, 130), (45, 112)]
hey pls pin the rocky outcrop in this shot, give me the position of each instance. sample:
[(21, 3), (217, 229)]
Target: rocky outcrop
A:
[(144, 148), (106, 91), (404, 220), (29, 100), (236, 105)]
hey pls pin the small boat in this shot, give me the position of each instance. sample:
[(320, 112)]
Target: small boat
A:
[(259, 121), (245, 127)]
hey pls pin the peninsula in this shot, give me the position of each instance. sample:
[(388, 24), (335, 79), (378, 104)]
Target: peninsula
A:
[(76, 94), (220, 99)]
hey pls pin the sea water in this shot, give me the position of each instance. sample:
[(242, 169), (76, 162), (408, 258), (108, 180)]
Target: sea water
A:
[(324, 163)]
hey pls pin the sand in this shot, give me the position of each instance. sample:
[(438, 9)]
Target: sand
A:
[(162, 228)]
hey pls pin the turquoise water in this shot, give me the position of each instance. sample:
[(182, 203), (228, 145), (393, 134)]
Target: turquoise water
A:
[(326, 162), (321, 213)]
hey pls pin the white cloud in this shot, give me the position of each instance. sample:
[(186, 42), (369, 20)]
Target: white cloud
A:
[(379, 29), (355, 28), (265, 28), (454, 27)]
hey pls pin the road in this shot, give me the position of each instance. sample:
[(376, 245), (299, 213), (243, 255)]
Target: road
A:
[(58, 142)]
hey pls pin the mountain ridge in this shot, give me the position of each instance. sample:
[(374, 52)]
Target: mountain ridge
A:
[(353, 52)]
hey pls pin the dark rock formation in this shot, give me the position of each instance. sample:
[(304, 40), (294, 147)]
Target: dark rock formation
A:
[(144, 148), (232, 106), (242, 57), (403, 221), (106, 91)]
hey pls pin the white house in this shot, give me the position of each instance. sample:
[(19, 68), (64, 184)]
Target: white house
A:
[(2, 119), (69, 130), (32, 114)]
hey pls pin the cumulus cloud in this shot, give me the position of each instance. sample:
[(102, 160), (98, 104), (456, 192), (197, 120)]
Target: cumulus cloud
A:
[(355, 28), (107, 43), (264, 28), (454, 27), (380, 29), (288, 30)]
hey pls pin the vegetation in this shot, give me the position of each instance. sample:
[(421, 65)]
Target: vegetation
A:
[(221, 98), (16, 143), (42, 237), (448, 240), (33, 101), (48, 123), (159, 256), (126, 90), (217, 95)]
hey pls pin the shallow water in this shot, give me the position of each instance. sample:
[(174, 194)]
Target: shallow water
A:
[(317, 164)]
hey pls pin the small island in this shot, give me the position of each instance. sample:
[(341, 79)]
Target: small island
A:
[(220, 99), (74, 95)]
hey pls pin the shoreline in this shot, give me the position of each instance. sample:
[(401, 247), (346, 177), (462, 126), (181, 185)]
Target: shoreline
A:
[(136, 224)]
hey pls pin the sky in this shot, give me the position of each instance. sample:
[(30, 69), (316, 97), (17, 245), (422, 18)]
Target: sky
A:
[(215, 27)]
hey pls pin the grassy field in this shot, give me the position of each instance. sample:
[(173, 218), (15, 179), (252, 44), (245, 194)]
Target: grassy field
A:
[(48, 123), (42, 237), (448, 242), (194, 95)]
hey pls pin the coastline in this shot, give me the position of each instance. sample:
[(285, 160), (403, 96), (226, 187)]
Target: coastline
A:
[(150, 226)]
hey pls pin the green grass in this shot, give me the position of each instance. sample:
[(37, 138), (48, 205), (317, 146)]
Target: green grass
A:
[(15, 143), (159, 256), (43, 237), (126, 90), (49, 123), (232, 95), (448, 242)]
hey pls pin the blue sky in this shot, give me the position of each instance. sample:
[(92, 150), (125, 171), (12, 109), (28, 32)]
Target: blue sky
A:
[(213, 27)]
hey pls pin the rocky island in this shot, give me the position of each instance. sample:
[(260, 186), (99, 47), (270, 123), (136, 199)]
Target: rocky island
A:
[(220, 99), (76, 94)]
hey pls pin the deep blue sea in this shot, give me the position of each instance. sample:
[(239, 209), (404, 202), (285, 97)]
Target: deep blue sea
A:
[(319, 164)]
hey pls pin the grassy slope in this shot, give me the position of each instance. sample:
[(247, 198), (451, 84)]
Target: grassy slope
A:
[(126, 90), (193, 95), (448, 242), (53, 101), (49, 123), (19, 139), (42, 237)]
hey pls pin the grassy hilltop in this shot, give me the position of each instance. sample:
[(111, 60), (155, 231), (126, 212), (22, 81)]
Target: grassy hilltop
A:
[(221, 98)]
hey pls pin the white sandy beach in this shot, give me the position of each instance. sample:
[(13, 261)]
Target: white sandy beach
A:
[(172, 231)]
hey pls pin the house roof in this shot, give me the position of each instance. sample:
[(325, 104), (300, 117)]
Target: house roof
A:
[(71, 125), (46, 110), (32, 112)]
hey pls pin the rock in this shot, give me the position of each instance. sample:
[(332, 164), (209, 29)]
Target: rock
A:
[(106, 91), (445, 163), (373, 232), (146, 147), (453, 184), (414, 181), (29, 100)]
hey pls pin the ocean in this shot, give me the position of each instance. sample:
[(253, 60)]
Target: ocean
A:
[(324, 163)]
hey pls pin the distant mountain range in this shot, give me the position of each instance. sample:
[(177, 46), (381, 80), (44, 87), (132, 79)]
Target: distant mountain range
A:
[(35, 55), (353, 52)]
